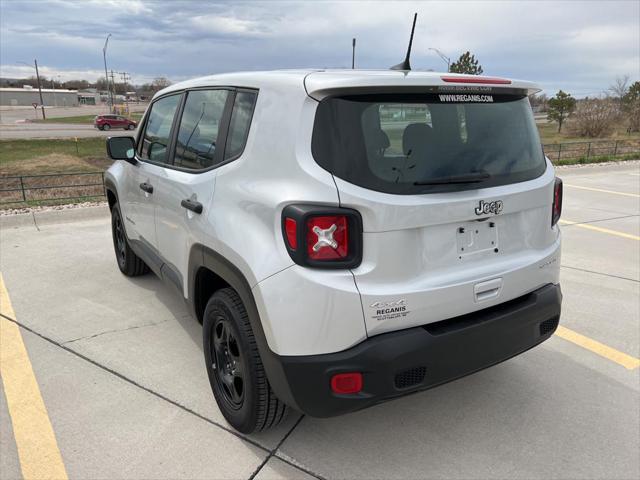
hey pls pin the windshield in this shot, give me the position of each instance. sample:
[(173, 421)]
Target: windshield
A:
[(424, 143)]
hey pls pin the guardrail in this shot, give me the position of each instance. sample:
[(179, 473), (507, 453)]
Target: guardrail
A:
[(53, 186), (567, 151)]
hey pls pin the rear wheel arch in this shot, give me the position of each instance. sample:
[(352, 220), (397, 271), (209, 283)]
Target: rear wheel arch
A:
[(206, 283), (206, 265), (209, 272)]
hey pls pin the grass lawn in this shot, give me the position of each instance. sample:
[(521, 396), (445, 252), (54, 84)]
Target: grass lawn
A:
[(41, 156), (76, 119), (47, 156)]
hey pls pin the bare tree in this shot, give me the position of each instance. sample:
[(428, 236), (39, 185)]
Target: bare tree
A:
[(594, 117), (539, 102), (159, 83), (620, 87)]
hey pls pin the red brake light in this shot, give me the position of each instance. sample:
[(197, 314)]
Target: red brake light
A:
[(320, 236), (327, 237), (346, 383), (556, 209), (476, 79), (291, 229)]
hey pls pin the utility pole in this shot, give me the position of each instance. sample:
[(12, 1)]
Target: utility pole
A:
[(106, 76), (113, 92), (125, 77), (40, 90), (353, 54)]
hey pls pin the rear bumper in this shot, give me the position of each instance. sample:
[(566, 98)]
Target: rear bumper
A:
[(397, 363)]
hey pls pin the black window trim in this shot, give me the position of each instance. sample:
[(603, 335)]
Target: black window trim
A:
[(244, 144), (225, 122), (143, 129)]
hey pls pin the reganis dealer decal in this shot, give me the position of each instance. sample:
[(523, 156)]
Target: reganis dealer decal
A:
[(467, 98), (389, 310)]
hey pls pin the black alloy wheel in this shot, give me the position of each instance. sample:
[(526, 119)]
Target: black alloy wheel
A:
[(119, 241), (128, 262), (228, 363), (234, 367)]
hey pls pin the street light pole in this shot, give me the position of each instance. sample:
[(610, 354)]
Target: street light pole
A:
[(353, 54), (443, 57), (106, 75), (40, 89), (39, 86)]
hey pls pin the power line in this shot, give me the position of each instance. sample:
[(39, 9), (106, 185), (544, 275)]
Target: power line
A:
[(125, 77)]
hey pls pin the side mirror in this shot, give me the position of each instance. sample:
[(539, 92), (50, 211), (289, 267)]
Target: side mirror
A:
[(121, 148)]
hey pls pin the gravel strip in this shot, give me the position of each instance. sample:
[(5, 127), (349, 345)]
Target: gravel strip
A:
[(50, 208), (596, 165)]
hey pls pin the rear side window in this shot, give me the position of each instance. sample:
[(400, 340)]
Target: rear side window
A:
[(423, 143), (157, 132), (240, 123), (199, 129)]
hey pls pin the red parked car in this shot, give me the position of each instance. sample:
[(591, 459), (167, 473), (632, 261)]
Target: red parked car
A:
[(107, 122)]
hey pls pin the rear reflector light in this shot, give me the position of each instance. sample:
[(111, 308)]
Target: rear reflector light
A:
[(346, 383), (290, 228), (323, 237), (327, 237), (474, 79), (556, 209)]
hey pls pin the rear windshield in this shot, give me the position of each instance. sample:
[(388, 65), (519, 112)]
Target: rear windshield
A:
[(423, 143)]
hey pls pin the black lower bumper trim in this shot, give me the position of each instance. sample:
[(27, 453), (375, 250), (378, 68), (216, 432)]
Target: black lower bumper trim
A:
[(397, 363)]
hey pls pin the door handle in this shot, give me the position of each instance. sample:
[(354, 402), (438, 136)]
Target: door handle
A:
[(192, 205), (146, 187)]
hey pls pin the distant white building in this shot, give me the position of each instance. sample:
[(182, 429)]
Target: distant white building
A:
[(27, 96), (89, 96)]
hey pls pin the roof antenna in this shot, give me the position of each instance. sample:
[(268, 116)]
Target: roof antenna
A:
[(406, 65)]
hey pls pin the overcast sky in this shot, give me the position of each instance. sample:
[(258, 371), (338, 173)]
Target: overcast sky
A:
[(579, 46)]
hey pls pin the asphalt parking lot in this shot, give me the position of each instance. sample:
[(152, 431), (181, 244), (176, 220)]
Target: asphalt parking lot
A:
[(119, 367)]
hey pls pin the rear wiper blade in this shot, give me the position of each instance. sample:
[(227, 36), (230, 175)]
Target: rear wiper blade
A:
[(474, 177)]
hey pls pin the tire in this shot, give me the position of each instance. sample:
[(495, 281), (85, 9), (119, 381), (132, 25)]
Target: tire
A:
[(100, 127), (131, 127), (237, 377), (128, 262), (106, 126)]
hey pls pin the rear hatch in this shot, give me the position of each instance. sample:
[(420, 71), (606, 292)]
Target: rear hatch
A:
[(455, 195)]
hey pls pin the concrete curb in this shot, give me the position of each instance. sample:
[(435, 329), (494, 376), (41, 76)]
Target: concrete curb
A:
[(51, 217)]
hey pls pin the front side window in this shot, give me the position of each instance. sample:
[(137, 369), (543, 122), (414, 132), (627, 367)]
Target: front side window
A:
[(157, 134), (423, 143), (199, 129), (240, 123)]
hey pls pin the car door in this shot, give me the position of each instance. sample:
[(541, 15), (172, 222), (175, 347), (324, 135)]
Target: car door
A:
[(152, 155), (185, 194)]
